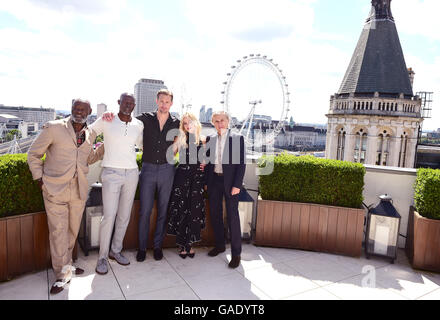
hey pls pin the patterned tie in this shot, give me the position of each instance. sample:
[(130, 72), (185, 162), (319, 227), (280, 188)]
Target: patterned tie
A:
[(218, 166)]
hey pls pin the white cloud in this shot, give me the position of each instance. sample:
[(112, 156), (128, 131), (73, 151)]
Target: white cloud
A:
[(251, 19), (418, 17), (47, 14)]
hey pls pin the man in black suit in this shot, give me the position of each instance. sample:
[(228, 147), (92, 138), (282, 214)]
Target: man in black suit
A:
[(224, 178)]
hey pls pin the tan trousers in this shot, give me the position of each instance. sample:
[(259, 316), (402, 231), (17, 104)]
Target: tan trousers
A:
[(64, 213)]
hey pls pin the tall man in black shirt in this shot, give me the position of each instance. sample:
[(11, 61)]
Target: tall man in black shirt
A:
[(157, 174), (160, 129)]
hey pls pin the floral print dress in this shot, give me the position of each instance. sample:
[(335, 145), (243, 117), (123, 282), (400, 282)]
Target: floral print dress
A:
[(186, 210)]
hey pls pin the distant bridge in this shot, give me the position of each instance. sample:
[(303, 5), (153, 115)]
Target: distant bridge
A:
[(24, 145)]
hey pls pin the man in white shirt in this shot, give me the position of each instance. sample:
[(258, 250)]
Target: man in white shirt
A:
[(119, 177)]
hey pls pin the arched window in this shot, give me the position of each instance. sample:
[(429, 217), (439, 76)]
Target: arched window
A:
[(341, 144), (383, 149), (360, 150), (388, 106), (403, 150), (371, 105), (380, 105)]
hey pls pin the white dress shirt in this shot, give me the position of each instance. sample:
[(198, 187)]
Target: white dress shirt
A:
[(218, 166)]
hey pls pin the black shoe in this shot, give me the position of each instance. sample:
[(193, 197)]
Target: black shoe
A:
[(215, 252), (158, 255), (181, 254), (141, 255), (189, 254), (235, 262)]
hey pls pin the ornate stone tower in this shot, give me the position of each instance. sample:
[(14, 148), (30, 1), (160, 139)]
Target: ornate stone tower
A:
[(375, 117)]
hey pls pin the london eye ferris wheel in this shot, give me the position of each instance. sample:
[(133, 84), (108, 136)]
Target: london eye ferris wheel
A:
[(257, 97)]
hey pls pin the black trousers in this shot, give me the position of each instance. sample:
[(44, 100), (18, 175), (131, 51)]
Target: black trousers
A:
[(216, 191)]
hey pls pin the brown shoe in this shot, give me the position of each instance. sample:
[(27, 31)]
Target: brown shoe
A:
[(58, 286), (235, 262), (78, 271)]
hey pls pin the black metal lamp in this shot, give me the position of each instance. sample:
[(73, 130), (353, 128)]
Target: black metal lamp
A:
[(91, 220), (383, 227)]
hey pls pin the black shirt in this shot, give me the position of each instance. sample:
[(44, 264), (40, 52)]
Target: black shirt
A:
[(156, 144)]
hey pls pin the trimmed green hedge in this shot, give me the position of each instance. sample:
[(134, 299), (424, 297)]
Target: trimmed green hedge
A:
[(312, 180), (19, 194), (427, 193)]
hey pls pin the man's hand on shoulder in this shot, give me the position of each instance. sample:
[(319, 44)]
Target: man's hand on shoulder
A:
[(108, 116)]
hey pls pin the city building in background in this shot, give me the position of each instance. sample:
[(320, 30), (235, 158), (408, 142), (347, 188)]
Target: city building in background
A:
[(100, 109), (92, 118), (208, 115), (375, 117), (145, 92), (205, 115), (30, 115), (11, 124), (202, 114)]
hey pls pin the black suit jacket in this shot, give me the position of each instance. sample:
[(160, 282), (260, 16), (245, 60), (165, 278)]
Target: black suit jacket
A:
[(234, 161)]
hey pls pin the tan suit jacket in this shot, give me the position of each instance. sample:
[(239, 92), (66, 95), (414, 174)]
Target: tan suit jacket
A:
[(63, 158)]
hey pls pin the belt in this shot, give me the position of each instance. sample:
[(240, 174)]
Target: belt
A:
[(218, 174)]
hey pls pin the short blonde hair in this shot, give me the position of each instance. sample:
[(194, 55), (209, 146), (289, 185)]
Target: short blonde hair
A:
[(220, 113)]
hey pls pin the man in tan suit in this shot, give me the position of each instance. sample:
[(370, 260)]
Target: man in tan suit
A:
[(68, 145)]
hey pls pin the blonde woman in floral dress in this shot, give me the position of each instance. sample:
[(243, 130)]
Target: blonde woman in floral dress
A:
[(186, 209)]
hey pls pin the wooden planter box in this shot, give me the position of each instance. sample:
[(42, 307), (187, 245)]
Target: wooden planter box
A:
[(310, 227), (131, 240), (24, 241), (24, 245), (423, 242)]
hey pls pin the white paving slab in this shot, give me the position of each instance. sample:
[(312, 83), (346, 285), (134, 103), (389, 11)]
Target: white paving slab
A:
[(406, 281), (322, 269), (435, 295), (182, 292), (252, 258), (230, 287), (27, 287), (356, 289), (147, 276), (283, 255), (201, 266), (315, 294), (279, 281)]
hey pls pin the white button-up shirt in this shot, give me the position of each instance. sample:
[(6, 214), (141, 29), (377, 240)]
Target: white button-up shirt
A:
[(218, 166)]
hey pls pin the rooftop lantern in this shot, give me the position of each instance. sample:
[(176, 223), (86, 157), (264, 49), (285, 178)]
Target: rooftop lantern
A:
[(383, 225), (91, 221)]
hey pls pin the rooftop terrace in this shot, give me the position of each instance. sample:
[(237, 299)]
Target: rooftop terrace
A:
[(265, 274)]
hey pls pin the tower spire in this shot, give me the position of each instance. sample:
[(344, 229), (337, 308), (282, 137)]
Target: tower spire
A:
[(381, 9)]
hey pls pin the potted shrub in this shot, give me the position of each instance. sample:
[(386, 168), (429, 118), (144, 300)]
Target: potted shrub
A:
[(423, 243), (24, 235), (311, 204)]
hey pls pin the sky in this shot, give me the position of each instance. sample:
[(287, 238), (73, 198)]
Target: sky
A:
[(52, 51)]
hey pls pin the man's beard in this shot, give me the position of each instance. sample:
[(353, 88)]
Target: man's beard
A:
[(80, 120), (126, 113)]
